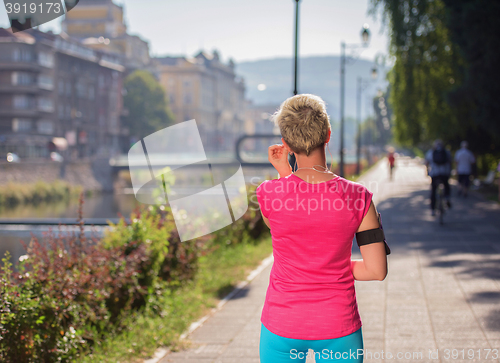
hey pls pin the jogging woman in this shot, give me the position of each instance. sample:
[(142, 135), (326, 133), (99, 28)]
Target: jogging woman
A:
[(314, 215)]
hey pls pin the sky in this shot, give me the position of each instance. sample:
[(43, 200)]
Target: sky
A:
[(247, 30)]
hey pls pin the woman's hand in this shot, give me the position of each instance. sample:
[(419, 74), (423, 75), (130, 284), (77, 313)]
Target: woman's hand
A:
[(278, 157)]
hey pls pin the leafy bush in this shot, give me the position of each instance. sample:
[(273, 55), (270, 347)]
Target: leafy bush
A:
[(65, 294), (168, 259), (70, 291), (248, 229)]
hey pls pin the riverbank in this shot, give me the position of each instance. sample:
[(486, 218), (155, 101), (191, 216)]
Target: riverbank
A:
[(40, 191), (92, 174)]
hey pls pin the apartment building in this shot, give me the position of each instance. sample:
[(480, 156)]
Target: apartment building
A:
[(207, 90), (56, 91), (100, 24)]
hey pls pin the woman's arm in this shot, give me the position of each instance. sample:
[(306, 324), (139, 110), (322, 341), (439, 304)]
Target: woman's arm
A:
[(373, 266)]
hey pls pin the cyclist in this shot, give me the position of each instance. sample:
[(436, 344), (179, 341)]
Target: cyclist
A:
[(438, 162)]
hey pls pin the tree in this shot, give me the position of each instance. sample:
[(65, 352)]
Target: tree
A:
[(445, 77), (427, 67), (147, 105), (473, 27)]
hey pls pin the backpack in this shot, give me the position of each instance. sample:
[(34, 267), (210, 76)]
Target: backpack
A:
[(440, 156)]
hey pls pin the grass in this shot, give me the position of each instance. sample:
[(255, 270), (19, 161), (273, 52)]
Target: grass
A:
[(489, 192), (218, 274), (365, 168)]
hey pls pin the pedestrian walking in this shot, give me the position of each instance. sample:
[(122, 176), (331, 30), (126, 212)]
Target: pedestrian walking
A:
[(464, 160), (391, 160), (313, 215)]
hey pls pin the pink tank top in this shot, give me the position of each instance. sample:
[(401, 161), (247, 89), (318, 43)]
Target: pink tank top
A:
[(311, 290)]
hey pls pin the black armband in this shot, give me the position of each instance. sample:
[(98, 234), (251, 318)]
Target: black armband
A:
[(373, 236)]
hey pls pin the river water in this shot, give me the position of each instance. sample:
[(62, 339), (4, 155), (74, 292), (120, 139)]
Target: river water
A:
[(96, 206)]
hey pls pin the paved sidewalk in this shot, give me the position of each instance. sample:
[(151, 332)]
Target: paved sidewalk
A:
[(442, 291)]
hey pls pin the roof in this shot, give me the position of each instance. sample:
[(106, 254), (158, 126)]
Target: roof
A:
[(21, 37), (169, 61)]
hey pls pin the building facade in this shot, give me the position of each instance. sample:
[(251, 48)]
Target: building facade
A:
[(100, 24), (207, 90), (56, 92)]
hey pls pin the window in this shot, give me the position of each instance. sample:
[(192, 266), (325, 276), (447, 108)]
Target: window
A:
[(68, 89), (68, 111), (45, 82), (22, 55), (16, 55), (60, 87), (21, 102), (101, 81), (21, 125), (171, 99), (45, 127), (102, 120), (46, 59), (81, 89), (22, 79), (91, 93), (60, 109), (45, 104), (188, 99)]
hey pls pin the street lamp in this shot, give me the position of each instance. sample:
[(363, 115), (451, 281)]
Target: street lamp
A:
[(365, 36), (296, 63), (296, 67), (362, 85)]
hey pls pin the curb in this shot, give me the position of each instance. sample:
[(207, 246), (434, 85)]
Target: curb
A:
[(162, 352)]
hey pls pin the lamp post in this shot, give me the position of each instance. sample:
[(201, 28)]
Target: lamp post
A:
[(362, 85), (296, 62), (365, 36), (296, 68)]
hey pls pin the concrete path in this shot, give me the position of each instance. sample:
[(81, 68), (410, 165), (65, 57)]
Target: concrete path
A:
[(439, 303)]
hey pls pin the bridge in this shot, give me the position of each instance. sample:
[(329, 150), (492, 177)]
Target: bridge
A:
[(245, 158)]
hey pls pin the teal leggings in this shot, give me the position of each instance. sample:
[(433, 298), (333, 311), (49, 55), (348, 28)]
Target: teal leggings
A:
[(276, 349)]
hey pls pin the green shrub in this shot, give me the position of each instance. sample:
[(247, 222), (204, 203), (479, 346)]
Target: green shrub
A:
[(168, 259), (248, 229), (70, 292)]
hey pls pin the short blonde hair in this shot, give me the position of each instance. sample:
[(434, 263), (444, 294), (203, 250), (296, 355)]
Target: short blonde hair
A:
[(303, 123)]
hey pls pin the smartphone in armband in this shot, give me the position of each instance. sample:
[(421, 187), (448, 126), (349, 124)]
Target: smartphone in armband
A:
[(373, 236)]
